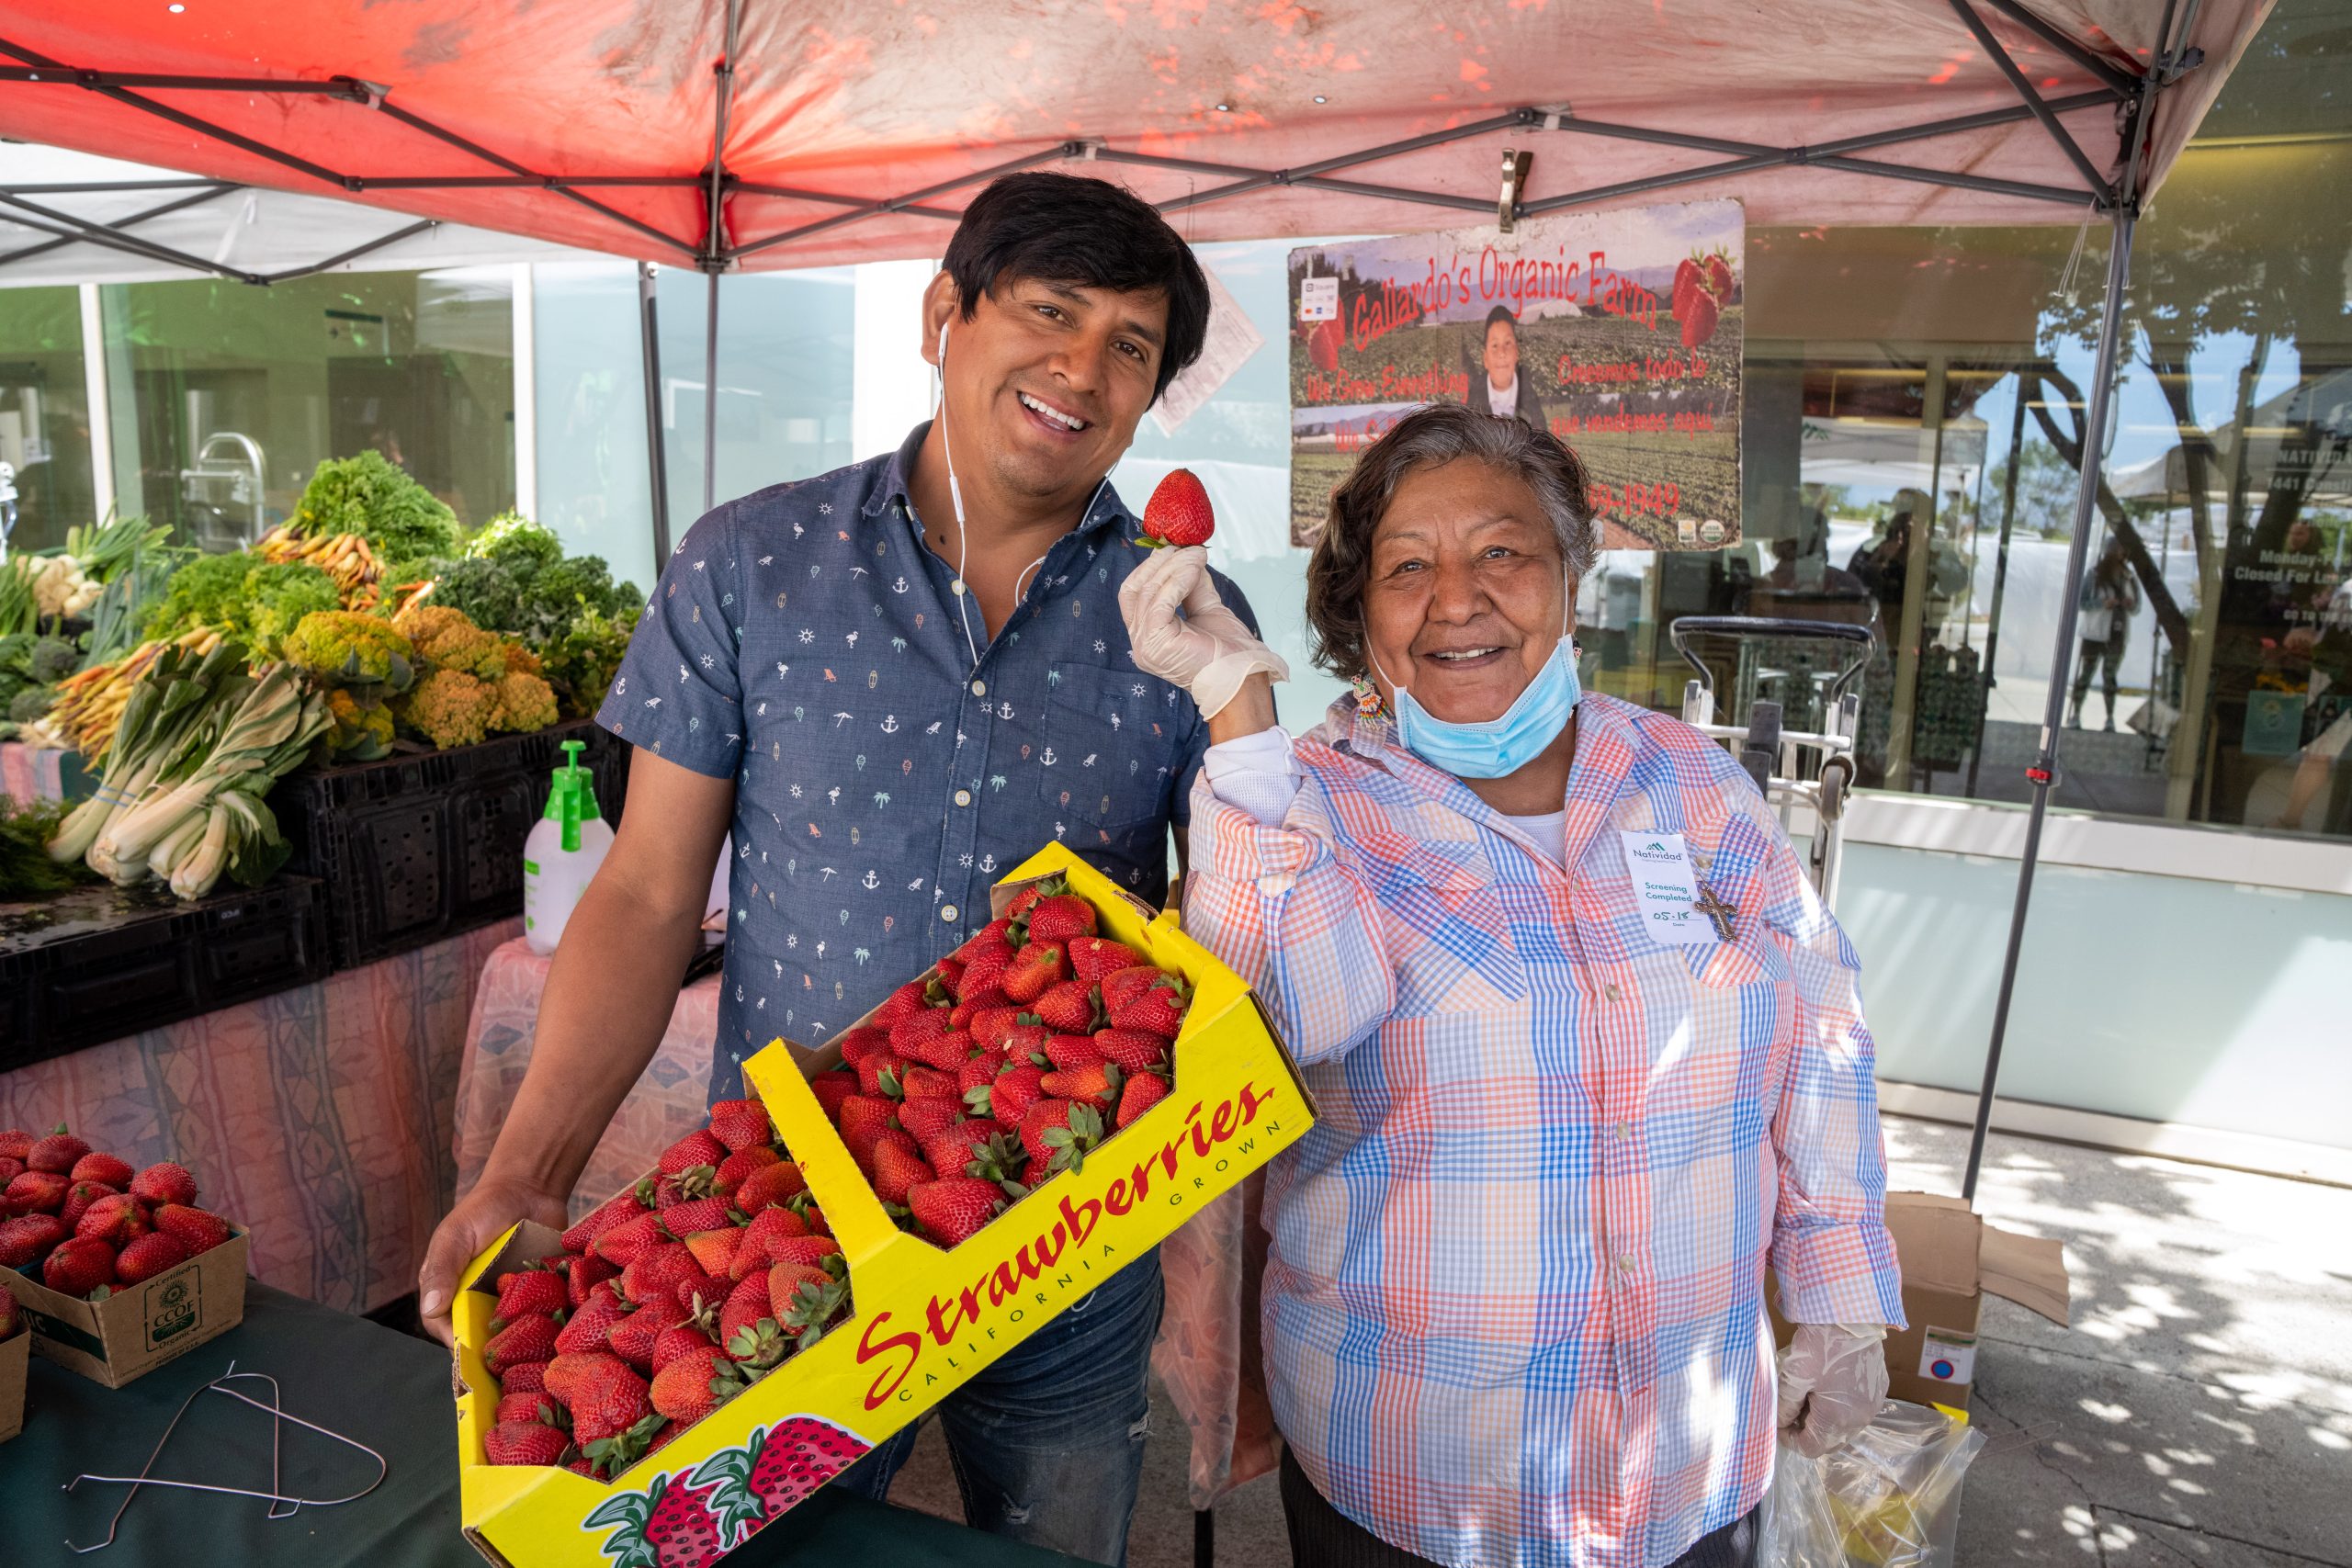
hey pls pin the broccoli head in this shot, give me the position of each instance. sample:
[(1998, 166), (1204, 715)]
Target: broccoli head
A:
[(449, 708), (520, 703), (363, 730), (34, 700), (276, 599), (53, 659), (345, 647), (447, 639), (488, 593), (516, 543)]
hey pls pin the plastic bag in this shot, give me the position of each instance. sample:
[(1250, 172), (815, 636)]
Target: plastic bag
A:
[(1888, 1499)]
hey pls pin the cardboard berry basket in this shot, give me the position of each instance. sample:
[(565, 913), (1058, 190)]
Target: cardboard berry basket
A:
[(924, 1319), (16, 1355), (137, 1327)]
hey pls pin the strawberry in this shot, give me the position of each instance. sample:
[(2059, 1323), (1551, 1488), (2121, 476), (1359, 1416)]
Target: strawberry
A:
[(830, 1089), (1059, 1131), (746, 1305), (1067, 1009), (904, 1002), (1009, 1099), (997, 931), (1027, 1041), (977, 1073), (1068, 1051), (714, 1251), (57, 1154), (804, 1250), (584, 1274), (926, 1116), (1323, 345), (989, 1026), (769, 1228), (1030, 897), (1123, 985), (864, 1119), (1157, 1010), (526, 1405), (78, 1199), (947, 974), (37, 1192), (523, 1442), (692, 1387), (861, 1043), (1096, 1081), (520, 1292), (1132, 1049), (16, 1143), (1179, 511), (768, 1186), (584, 1331), (696, 1214), (164, 1183), (1092, 957), (613, 1212), (1036, 1173), (1061, 920), (116, 1173), (528, 1378), (897, 1168), (980, 1147), (881, 1075), (531, 1337), (954, 1209), (909, 1033), (961, 1015), (1144, 1090), (685, 1338), (929, 1083), (740, 1124), (1698, 322), (603, 1393), (696, 1148), (658, 1192), (27, 1238), (78, 1264), (116, 1220), (775, 1470), (657, 1271), (739, 1165), (632, 1337), (808, 1308), (945, 1052), (11, 1167), (984, 970), (621, 1245), (1035, 967)]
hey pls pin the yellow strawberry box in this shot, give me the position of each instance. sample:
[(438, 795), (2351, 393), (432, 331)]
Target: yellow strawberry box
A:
[(923, 1319)]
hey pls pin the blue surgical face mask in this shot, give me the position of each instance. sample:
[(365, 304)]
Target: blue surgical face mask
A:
[(1496, 748)]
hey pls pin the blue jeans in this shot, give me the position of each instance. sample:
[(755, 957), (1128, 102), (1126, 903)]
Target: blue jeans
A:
[(1047, 1442)]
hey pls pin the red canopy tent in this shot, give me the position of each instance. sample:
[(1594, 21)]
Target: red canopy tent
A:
[(786, 133)]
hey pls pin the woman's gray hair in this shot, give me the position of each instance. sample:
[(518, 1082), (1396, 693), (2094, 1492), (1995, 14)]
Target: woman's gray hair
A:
[(1340, 568)]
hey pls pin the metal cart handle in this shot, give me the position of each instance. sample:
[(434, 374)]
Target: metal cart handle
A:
[(1864, 636)]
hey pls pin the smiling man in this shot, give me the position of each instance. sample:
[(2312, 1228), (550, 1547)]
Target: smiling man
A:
[(894, 683)]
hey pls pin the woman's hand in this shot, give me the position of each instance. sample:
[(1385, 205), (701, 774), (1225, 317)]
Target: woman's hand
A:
[(1833, 1379), (1182, 633)]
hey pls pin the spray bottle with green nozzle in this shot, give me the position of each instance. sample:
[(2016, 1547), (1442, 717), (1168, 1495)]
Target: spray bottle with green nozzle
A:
[(560, 857)]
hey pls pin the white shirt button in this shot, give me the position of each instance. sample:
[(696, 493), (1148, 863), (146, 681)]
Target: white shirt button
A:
[(947, 913), (963, 797), (956, 587), (1626, 1265), (1611, 992), (1623, 1131), (979, 688)]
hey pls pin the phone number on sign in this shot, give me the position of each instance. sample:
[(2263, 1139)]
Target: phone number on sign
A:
[(1660, 500)]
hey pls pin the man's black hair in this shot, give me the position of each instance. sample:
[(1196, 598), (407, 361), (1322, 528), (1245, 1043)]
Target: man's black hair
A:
[(1500, 313), (1069, 229)]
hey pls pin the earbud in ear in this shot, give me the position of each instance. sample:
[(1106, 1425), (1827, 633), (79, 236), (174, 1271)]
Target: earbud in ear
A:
[(942, 343)]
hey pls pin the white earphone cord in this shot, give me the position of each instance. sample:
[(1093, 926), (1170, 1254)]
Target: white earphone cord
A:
[(963, 533)]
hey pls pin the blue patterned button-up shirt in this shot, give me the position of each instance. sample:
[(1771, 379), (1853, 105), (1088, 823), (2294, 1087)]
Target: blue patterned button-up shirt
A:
[(803, 642)]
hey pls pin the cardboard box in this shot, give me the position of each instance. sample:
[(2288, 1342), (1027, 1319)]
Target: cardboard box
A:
[(925, 1320), (1949, 1258), (139, 1327), (16, 1355)]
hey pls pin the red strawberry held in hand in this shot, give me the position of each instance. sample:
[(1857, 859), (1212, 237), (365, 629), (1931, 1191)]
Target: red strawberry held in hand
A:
[(1178, 513)]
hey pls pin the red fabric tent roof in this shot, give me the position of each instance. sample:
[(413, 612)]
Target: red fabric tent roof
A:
[(871, 100)]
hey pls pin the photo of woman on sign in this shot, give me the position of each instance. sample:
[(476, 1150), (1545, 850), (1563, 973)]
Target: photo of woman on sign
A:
[(1497, 384)]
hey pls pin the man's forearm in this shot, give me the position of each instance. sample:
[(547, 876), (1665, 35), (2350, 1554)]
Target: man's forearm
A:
[(608, 1000)]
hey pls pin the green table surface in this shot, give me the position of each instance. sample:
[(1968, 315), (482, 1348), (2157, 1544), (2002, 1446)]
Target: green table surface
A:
[(382, 1388)]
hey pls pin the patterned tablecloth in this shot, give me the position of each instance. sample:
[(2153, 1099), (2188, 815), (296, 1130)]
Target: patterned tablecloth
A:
[(31, 774), (320, 1117)]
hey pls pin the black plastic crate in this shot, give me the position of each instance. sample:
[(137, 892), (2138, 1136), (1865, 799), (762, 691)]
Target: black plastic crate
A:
[(423, 845), (97, 964)]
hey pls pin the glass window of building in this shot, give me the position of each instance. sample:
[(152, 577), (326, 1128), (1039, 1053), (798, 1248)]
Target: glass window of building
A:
[(44, 418)]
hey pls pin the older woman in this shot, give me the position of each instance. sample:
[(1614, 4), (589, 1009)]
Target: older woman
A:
[(1587, 1047)]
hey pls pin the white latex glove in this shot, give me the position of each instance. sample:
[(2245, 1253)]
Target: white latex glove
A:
[(1206, 648), (1833, 1379)]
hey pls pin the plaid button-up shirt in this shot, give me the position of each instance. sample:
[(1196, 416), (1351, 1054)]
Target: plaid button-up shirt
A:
[(1514, 1299)]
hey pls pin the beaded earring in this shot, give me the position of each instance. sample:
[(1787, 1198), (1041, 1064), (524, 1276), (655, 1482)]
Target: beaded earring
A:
[(1368, 698)]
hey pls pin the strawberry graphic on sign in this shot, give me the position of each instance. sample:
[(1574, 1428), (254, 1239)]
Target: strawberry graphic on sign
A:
[(1702, 287), (1178, 513)]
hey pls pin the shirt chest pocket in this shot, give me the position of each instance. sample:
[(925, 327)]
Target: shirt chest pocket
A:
[(1112, 741), (1447, 924)]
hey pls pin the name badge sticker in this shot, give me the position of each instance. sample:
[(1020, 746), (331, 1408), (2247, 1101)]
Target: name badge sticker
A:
[(1664, 889)]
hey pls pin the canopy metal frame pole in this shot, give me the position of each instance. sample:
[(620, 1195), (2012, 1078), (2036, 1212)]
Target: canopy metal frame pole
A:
[(2097, 415), (656, 467), (715, 258)]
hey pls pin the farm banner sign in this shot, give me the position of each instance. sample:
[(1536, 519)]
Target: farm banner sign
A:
[(1618, 332)]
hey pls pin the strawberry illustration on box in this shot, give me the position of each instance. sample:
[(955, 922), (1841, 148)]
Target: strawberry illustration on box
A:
[(899, 1207)]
